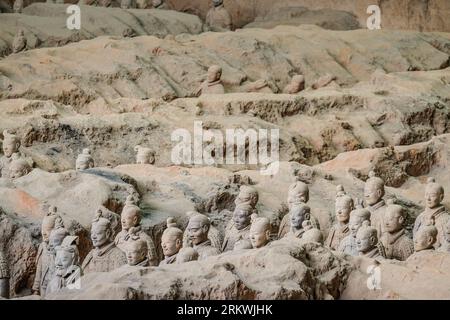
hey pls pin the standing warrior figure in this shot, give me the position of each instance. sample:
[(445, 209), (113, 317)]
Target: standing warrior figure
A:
[(357, 217), (131, 218), (373, 195), (343, 206), (367, 241), (105, 256), (435, 213), (240, 229), (397, 245), (171, 242), (198, 229), (137, 251)]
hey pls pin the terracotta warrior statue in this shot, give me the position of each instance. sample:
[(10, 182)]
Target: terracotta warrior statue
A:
[(44, 258), (260, 232), (159, 4), (198, 228), (300, 225), (298, 194), (144, 155), (131, 218), (435, 213), (84, 160), (105, 256), (18, 6), (240, 229), (248, 196), (397, 245), (18, 167), (343, 206), (67, 266), (186, 255), (126, 4), (296, 85), (4, 276), (137, 251), (213, 83), (171, 242), (425, 238), (11, 145), (218, 18), (357, 217), (367, 241), (373, 195)]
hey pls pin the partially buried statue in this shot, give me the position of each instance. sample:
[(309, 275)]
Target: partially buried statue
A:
[(171, 242), (397, 245), (435, 213), (343, 206), (84, 160), (424, 240), (248, 196), (373, 195), (4, 276), (198, 228), (240, 229), (357, 218), (367, 241), (131, 218), (18, 6), (67, 266), (11, 146), (218, 18), (260, 232), (19, 167), (213, 83), (137, 251), (300, 226), (105, 256), (44, 257), (296, 85)]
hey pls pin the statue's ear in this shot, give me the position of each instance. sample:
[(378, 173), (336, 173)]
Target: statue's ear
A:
[(268, 234), (307, 215), (441, 197), (178, 243), (401, 220), (430, 240)]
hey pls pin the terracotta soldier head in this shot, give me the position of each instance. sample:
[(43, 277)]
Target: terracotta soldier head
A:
[(217, 3), (260, 232), (242, 216), (48, 223), (366, 238), (357, 217), (19, 167), (84, 160), (299, 213), (144, 155), (394, 218), (425, 238), (214, 73), (11, 143), (136, 250), (57, 236), (130, 217), (198, 228), (186, 255), (247, 195), (101, 232), (343, 205), (298, 193), (434, 194), (373, 189), (67, 255), (171, 240)]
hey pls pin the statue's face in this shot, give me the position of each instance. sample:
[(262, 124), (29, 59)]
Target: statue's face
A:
[(81, 165), (170, 245), (433, 198), (354, 224), (241, 219), (135, 254), (343, 210), (100, 235), (258, 236), (17, 171), (297, 218), (393, 221), (10, 147), (46, 228), (128, 219), (372, 194), (245, 197), (63, 261), (422, 241), (197, 233), (54, 240), (364, 242), (213, 75)]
